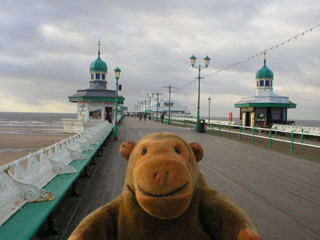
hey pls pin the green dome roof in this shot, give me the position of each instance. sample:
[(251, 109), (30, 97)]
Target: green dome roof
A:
[(98, 65), (264, 72)]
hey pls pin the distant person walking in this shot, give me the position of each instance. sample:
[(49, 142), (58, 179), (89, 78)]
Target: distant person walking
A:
[(145, 116), (140, 116), (162, 117)]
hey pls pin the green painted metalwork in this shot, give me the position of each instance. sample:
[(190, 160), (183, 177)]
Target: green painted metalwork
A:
[(98, 65), (302, 130), (253, 133), (199, 68), (117, 76), (25, 223), (292, 142), (283, 105), (275, 132), (198, 108), (264, 72), (240, 131), (157, 106), (96, 99), (270, 138)]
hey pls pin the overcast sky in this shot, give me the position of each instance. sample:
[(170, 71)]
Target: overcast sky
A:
[(46, 48)]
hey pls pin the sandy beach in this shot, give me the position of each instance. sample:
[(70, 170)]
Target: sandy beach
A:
[(15, 146)]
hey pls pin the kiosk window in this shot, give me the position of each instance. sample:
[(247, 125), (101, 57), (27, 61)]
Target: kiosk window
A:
[(95, 114)]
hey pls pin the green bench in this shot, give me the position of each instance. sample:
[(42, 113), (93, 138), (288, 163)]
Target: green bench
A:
[(25, 223)]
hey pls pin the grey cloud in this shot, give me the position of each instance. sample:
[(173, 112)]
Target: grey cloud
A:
[(151, 41)]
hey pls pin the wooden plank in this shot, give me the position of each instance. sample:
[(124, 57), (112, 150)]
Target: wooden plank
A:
[(278, 190)]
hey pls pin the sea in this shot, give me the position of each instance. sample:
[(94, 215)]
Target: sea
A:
[(29, 122), (50, 123)]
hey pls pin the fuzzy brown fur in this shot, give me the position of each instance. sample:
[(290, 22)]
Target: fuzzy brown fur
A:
[(165, 197)]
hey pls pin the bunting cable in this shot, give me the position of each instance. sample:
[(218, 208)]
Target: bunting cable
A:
[(248, 59), (252, 57)]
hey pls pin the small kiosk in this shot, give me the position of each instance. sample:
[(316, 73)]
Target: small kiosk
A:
[(96, 103), (265, 108)]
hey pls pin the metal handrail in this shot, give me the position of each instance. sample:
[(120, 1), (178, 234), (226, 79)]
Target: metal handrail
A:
[(253, 134)]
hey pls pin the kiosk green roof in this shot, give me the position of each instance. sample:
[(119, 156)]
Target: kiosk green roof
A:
[(264, 72), (98, 65)]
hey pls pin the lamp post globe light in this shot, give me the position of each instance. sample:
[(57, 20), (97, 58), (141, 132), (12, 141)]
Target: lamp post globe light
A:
[(117, 76), (199, 67)]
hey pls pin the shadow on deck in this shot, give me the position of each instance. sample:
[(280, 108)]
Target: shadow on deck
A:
[(279, 191)]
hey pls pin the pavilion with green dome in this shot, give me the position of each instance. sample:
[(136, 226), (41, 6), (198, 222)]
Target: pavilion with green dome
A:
[(265, 108), (96, 102)]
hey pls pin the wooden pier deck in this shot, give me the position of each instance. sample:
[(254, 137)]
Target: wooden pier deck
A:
[(279, 191)]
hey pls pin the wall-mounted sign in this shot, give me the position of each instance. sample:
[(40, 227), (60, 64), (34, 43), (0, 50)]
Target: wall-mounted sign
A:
[(247, 109), (82, 115), (166, 104), (95, 104), (82, 107)]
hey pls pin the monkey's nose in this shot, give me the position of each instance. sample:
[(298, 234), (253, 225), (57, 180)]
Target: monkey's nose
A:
[(161, 178)]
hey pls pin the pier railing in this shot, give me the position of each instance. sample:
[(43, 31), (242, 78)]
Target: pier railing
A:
[(292, 135), (23, 181)]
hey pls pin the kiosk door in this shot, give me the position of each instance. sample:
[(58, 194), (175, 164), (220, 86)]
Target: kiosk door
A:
[(108, 114)]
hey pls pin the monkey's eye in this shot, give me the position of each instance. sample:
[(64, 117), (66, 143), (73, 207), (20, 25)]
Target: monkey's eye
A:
[(177, 150), (144, 151)]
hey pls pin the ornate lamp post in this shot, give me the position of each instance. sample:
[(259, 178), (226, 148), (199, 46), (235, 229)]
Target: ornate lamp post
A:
[(150, 96), (157, 106), (209, 101), (145, 106), (117, 76), (169, 116), (199, 67)]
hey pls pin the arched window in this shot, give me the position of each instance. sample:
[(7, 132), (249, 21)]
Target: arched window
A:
[(267, 83), (261, 83)]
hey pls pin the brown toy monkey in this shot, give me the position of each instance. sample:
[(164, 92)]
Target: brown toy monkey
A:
[(166, 197)]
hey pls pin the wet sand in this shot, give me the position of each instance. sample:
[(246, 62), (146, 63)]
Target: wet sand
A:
[(16, 146)]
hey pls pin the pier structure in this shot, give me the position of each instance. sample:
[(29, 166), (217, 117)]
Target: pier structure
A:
[(279, 191), (96, 103), (176, 109), (266, 107)]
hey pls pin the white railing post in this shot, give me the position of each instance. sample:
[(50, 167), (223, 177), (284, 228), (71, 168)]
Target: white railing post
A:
[(25, 184)]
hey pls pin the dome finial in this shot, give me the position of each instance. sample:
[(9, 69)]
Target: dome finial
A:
[(264, 60), (99, 44)]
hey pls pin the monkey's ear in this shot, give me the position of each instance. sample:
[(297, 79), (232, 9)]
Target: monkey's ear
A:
[(197, 150), (126, 149)]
